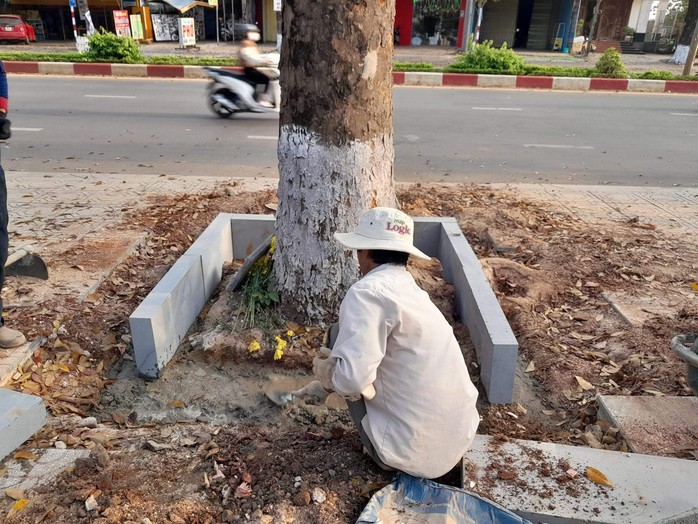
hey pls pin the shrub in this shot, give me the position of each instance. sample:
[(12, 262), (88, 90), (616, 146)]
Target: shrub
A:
[(610, 65), (413, 66), (107, 47), (653, 74), (484, 57), (538, 70)]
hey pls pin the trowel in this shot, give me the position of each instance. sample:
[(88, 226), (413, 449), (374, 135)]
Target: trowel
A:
[(280, 398), (25, 264), (312, 392)]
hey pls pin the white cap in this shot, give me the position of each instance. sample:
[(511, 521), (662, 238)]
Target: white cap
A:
[(382, 228)]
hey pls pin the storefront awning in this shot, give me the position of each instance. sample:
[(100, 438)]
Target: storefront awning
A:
[(185, 5)]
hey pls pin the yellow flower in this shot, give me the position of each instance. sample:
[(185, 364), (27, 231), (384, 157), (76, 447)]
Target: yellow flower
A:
[(278, 354), (272, 247), (254, 346), (290, 333), (280, 343)]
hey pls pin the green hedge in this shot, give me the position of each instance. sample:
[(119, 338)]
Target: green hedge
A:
[(460, 66)]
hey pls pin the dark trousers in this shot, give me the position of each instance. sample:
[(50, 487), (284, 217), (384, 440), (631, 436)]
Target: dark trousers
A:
[(257, 77), (357, 409), (4, 239)]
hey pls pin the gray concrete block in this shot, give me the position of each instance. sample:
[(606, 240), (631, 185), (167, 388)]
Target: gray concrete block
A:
[(496, 81), (646, 489), (479, 309), (572, 84), (161, 321), (423, 79), (21, 416), (249, 231), (215, 247)]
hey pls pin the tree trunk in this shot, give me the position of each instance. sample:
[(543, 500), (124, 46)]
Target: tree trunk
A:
[(335, 143), (684, 42)]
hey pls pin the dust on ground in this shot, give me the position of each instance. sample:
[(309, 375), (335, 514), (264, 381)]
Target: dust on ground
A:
[(204, 444)]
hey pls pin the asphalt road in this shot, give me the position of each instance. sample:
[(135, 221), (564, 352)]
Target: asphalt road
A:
[(78, 124)]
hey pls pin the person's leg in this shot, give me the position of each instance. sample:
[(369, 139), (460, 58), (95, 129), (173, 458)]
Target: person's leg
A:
[(4, 240), (357, 408), (9, 338), (257, 77)]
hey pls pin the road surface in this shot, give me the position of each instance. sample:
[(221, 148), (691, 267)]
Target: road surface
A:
[(108, 125)]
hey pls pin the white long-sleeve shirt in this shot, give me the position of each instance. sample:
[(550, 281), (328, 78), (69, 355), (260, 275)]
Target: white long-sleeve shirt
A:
[(421, 418)]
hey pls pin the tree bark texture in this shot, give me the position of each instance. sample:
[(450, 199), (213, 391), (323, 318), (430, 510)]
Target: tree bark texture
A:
[(689, 24), (335, 143)]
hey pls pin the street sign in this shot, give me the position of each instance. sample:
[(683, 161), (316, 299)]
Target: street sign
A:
[(72, 3)]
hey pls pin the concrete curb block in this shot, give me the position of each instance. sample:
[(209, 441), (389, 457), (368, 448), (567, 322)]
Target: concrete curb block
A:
[(399, 77), (21, 416), (161, 321), (646, 488)]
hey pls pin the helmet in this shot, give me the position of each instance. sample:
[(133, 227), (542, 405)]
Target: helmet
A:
[(246, 29)]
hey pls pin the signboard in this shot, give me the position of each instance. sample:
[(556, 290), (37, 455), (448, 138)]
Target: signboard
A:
[(136, 26), (187, 32), (277, 5), (84, 11), (121, 23), (213, 2), (165, 27)]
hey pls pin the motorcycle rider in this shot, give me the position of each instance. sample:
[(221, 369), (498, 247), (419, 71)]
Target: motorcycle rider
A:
[(251, 59)]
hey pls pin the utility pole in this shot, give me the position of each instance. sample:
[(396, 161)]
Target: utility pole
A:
[(468, 24), (691, 52)]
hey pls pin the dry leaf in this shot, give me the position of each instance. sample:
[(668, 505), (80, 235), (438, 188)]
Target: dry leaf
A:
[(176, 404), (595, 475), (548, 412), (27, 455), (531, 367), (694, 286), (586, 386)]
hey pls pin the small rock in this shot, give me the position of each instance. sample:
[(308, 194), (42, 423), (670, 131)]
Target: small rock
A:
[(15, 493), (59, 444), (176, 519), (156, 446), (89, 422), (91, 503), (331, 472), (319, 496), (146, 520), (228, 516), (302, 498), (100, 455)]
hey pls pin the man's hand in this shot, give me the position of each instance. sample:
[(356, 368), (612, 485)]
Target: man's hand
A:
[(313, 393), (323, 369), (5, 126)]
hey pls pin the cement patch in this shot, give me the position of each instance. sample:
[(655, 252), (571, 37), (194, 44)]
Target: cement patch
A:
[(653, 425)]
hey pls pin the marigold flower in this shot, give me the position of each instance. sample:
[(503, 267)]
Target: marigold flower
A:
[(280, 343), (278, 354), (290, 333), (254, 346)]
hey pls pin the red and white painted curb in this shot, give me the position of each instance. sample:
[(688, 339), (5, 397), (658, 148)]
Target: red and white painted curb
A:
[(399, 78)]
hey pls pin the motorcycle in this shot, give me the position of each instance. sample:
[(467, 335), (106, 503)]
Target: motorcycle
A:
[(231, 92)]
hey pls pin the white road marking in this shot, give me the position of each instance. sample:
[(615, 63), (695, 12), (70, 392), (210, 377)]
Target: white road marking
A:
[(497, 109), (109, 96), (558, 146), (33, 129), (262, 137), (684, 114)]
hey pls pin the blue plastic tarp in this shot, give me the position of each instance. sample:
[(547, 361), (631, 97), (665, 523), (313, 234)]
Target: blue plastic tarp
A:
[(410, 499)]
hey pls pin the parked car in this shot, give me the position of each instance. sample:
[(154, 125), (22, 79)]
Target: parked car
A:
[(14, 29)]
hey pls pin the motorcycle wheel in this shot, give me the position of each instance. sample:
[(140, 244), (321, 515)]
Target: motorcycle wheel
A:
[(220, 109)]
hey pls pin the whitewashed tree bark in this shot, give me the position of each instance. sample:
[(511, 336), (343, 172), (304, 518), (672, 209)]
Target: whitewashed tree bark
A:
[(684, 43), (335, 143)]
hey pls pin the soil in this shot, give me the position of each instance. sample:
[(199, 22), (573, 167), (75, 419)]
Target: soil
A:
[(204, 444)]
